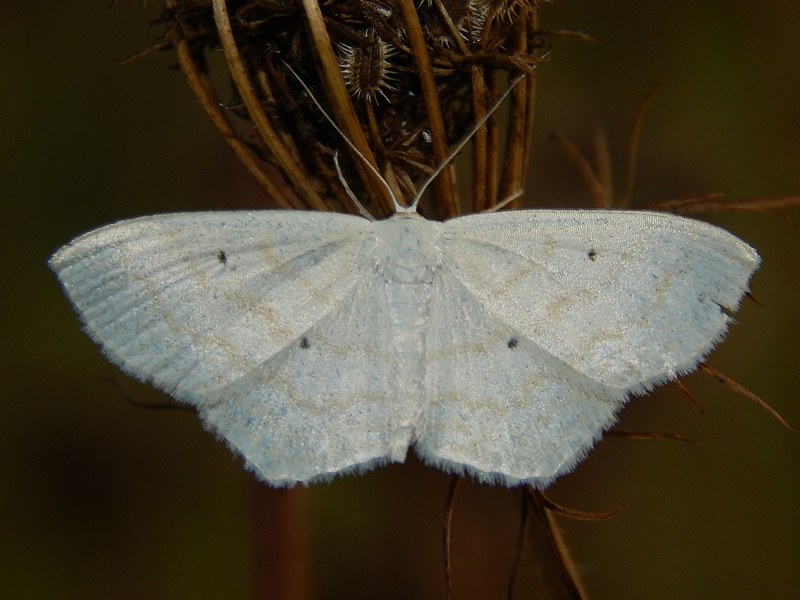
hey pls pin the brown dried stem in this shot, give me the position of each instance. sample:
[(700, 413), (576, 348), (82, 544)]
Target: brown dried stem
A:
[(520, 124), (558, 557), (447, 533), (740, 389)]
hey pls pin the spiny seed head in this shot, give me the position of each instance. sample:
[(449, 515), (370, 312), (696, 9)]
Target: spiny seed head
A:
[(367, 68)]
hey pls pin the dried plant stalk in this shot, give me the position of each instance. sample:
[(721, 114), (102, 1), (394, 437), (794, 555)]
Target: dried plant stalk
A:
[(403, 81)]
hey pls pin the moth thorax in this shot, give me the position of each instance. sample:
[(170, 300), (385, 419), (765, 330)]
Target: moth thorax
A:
[(406, 249)]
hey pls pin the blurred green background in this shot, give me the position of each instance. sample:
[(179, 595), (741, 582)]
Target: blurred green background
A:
[(103, 500)]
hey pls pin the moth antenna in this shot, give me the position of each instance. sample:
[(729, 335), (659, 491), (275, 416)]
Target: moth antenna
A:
[(364, 212), (461, 145), (397, 206)]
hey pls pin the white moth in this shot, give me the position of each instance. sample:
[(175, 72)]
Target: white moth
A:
[(499, 345)]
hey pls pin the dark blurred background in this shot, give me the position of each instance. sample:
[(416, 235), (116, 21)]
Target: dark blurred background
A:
[(103, 500)]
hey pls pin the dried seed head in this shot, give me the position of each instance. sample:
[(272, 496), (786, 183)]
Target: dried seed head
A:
[(367, 68), (387, 94)]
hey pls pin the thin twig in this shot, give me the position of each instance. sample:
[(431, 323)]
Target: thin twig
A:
[(522, 538), (596, 189), (530, 96), (680, 385), (558, 552), (743, 391), (632, 151), (581, 515), (650, 435), (515, 153), (447, 533)]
